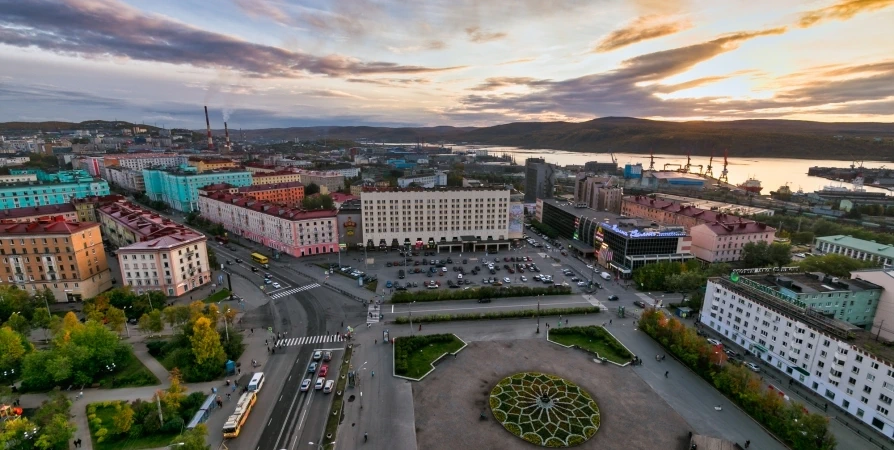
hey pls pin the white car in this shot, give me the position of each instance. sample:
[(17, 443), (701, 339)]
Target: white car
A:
[(305, 385), (713, 342), (589, 266), (507, 280), (581, 283), (317, 355), (320, 382), (524, 278), (276, 285), (459, 276), (753, 367), (444, 269), (329, 386)]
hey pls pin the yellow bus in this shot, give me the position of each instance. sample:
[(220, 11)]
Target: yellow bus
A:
[(234, 423), (260, 259)]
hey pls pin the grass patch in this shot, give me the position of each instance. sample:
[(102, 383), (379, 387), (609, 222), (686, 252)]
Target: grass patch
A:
[(372, 286), (338, 403), (593, 339), (218, 296), (132, 374), (107, 415), (415, 354)]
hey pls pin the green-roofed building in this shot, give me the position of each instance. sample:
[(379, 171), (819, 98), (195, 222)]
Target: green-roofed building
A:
[(855, 248)]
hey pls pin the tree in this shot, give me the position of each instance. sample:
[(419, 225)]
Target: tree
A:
[(12, 350), (834, 264), (212, 259), (193, 439), (151, 323), (41, 319), (115, 319), (52, 421), (14, 300), (755, 254), (123, 417), (206, 347), (779, 254), (19, 324), (311, 189)]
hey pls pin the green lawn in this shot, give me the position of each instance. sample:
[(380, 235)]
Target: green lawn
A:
[(419, 362), (594, 344), (107, 415), (132, 374), (217, 296)]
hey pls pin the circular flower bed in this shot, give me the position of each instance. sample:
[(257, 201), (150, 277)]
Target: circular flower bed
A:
[(545, 410)]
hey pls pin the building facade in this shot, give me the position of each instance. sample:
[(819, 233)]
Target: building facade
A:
[(723, 242), (436, 217), (65, 257), (175, 262), (332, 181), (208, 164), (128, 179), (289, 230), (540, 178), (65, 211), (350, 225), (599, 193), (275, 177), (180, 189), (23, 195), (289, 194), (884, 313), (18, 178), (140, 161), (86, 207), (673, 213), (882, 254), (426, 181), (832, 358)]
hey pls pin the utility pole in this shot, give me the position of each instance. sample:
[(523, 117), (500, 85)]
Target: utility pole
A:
[(161, 418), (411, 318)]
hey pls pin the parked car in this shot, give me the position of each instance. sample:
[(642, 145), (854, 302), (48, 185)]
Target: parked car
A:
[(484, 300), (507, 280), (713, 341), (305, 385), (388, 284), (753, 367), (330, 385), (317, 355)]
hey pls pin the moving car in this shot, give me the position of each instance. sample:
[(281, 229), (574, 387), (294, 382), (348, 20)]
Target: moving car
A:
[(713, 342), (319, 384), (330, 385), (276, 285), (305, 385), (238, 260), (753, 367), (312, 368), (640, 303), (613, 298), (324, 370), (327, 356), (317, 355)]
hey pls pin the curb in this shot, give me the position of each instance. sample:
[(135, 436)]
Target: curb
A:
[(433, 363)]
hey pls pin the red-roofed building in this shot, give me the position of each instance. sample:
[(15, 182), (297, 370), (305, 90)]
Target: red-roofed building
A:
[(339, 198), (294, 231), (66, 211), (65, 257), (723, 242), (672, 213), (285, 176)]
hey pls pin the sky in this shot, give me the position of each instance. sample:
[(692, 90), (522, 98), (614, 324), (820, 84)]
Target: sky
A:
[(280, 63)]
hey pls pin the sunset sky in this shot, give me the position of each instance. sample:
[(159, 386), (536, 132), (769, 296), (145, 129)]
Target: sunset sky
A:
[(276, 63)]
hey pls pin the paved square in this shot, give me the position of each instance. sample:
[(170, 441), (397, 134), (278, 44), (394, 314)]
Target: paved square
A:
[(448, 402)]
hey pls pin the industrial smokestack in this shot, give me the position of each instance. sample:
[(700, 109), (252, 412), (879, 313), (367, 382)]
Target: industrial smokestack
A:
[(208, 125), (227, 134)]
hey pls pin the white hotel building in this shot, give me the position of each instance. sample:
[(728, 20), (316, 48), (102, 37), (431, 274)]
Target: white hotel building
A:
[(443, 218), (827, 356)]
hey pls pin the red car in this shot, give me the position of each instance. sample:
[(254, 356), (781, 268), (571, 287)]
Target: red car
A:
[(324, 370)]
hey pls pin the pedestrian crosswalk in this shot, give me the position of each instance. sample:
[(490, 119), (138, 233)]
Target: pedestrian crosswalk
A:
[(293, 290), (309, 340)]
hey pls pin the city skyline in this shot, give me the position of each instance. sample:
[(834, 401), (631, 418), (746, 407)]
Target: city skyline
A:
[(272, 63)]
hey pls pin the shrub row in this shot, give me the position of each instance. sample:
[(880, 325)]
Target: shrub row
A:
[(409, 344), (525, 313), (483, 292), (598, 334)]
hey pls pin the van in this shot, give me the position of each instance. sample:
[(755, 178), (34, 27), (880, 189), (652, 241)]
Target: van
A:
[(401, 274), (257, 381), (606, 276)]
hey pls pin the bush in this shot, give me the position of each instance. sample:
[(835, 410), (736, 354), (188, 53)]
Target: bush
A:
[(406, 345), (484, 292), (156, 347), (526, 313)]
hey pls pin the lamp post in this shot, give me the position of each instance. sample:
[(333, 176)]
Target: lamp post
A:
[(148, 297), (226, 327), (411, 318), (125, 320), (538, 314)]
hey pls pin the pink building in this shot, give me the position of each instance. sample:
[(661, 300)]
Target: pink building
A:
[(294, 231), (175, 263), (723, 242)]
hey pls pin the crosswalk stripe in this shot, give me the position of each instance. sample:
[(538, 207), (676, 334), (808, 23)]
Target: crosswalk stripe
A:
[(308, 340), (281, 294)]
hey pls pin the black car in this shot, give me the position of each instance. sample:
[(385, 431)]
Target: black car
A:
[(484, 300), (254, 269), (238, 260), (449, 260), (613, 298), (640, 303)]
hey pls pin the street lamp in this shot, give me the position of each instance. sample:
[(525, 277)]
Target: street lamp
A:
[(411, 318), (226, 327), (125, 319), (148, 297)]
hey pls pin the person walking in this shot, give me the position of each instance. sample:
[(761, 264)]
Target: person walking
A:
[(609, 321), (747, 444), (666, 372)]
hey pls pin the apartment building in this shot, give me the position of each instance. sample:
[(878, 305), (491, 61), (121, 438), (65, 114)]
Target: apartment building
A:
[(65, 211), (599, 193), (86, 207), (882, 254), (65, 257), (140, 161), (179, 188), (293, 231), (289, 194), (450, 218), (834, 359), (21, 195), (672, 212), (540, 179), (208, 164), (331, 181), (424, 180), (285, 176), (884, 312), (255, 168), (723, 242), (172, 259), (124, 223), (18, 178), (128, 179)]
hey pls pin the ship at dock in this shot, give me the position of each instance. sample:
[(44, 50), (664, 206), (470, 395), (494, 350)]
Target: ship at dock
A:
[(752, 185)]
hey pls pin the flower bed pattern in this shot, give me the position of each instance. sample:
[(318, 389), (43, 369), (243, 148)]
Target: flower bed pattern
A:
[(545, 410)]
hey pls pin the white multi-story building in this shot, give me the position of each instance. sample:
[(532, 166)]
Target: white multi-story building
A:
[(838, 361), (455, 218), (13, 160), (426, 181), (293, 231), (716, 242), (883, 254), (332, 181), (18, 178), (173, 263), (129, 179), (140, 161)]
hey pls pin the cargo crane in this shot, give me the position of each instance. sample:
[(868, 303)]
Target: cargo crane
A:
[(651, 161), (724, 174), (710, 172), (679, 168), (688, 167)]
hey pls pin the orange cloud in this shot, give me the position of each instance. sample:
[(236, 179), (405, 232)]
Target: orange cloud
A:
[(843, 10), (641, 29)]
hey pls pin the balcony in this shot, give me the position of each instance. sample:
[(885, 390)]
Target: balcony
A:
[(834, 378)]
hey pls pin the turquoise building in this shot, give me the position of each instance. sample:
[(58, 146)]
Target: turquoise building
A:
[(21, 195), (179, 187), (63, 176)]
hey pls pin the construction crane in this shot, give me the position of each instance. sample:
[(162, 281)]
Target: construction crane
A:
[(651, 161), (614, 160), (710, 172), (724, 174), (688, 166)]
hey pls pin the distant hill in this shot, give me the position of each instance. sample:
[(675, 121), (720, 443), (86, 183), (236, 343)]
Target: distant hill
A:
[(62, 126), (742, 138)]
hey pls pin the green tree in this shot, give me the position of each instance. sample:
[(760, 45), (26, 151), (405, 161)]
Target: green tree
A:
[(834, 264), (19, 324), (51, 419), (212, 259), (123, 417), (756, 254), (311, 189), (193, 439), (115, 319), (41, 319), (779, 254), (206, 347), (685, 281), (151, 323), (14, 300), (12, 350)]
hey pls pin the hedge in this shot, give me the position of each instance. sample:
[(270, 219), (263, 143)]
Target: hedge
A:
[(484, 292), (403, 346), (524, 313), (598, 334)]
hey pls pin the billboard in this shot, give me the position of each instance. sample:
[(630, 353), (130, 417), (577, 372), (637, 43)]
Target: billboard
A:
[(516, 218)]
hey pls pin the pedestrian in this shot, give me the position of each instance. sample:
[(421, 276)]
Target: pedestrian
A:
[(454, 356), (266, 342), (609, 321), (566, 321), (228, 395), (666, 372), (747, 444), (268, 349), (81, 394), (239, 370), (252, 330), (273, 351), (375, 341), (420, 327), (234, 390), (342, 324)]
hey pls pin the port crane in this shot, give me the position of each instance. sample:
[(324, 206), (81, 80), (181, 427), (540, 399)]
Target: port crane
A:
[(651, 161), (679, 168), (688, 167), (710, 172), (724, 174)]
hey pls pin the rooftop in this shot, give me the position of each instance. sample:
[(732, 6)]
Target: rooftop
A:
[(704, 215), (186, 172), (174, 239), (860, 245), (711, 205), (434, 189), (270, 208), (742, 227), (147, 225), (16, 213), (626, 226), (274, 174), (811, 283), (99, 199), (59, 226), (270, 187)]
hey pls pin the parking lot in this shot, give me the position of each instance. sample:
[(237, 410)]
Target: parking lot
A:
[(422, 269)]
